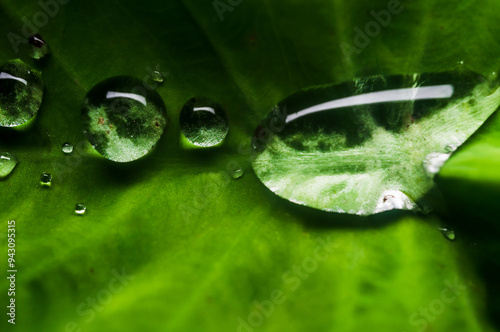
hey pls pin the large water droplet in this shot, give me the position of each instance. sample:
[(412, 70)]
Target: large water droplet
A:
[(80, 209), (359, 147), (7, 164), (122, 120), (46, 179), (67, 148), (448, 233), (21, 93), (203, 122), (39, 48)]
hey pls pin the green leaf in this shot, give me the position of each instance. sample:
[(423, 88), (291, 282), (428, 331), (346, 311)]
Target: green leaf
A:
[(205, 250)]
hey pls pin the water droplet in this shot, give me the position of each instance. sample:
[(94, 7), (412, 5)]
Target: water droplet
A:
[(39, 48), (203, 122), (461, 62), (434, 162), (359, 147), (67, 148), (122, 120), (7, 164), (450, 148), (158, 77), (46, 179), (21, 93), (448, 233), (80, 209), (237, 173)]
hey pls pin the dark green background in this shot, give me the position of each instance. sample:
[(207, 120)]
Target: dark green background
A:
[(202, 250)]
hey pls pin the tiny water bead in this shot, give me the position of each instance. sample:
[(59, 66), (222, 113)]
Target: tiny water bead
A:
[(7, 164), (203, 122), (158, 77), (122, 120), (39, 48), (67, 148), (371, 144), (448, 233), (21, 93), (46, 179), (237, 173), (451, 148), (80, 209)]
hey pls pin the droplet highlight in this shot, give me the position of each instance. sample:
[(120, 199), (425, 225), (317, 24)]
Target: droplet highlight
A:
[(7, 164), (21, 93), (122, 120), (203, 122), (67, 148)]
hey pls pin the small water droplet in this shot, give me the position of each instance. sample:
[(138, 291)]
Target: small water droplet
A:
[(237, 173), (7, 164), (39, 48), (451, 148), (203, 122), (67, 148), (21, 93), (158, 77), (46, 179), (434, 161), (122, 120), (80, 209), (461, 62), (448, 233)]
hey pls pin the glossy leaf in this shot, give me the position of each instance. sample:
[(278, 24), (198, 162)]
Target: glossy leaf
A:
[(205, 250)]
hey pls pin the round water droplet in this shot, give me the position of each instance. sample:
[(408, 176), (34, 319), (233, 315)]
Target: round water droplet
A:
[(122, 120), (80, 209), (67, 148), (39, 48), (7, 164), (203, 122), (21, 93), (46, 179), (448, 233), (237, 173), (158, 77)]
